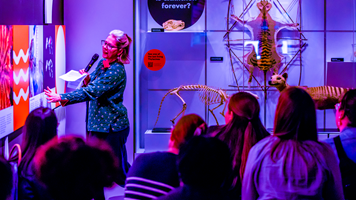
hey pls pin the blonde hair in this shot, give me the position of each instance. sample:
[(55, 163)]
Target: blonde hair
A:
[(123, 42)]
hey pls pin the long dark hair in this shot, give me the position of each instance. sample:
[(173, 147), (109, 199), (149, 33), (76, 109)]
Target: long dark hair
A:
[(295, 118), (39, 128), (348, 105), (243, 131)]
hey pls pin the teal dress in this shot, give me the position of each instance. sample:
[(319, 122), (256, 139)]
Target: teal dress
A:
[(105, 93)]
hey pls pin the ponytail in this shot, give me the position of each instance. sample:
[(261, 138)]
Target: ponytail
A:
[(249, 141)]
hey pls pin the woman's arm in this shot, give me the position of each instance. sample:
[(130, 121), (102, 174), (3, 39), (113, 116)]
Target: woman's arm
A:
[(108, 80)]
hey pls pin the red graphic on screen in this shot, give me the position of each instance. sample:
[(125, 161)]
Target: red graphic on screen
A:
[(5, 67), (20, 74)]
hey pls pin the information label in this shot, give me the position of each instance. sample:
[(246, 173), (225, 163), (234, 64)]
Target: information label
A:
[(154, 59)]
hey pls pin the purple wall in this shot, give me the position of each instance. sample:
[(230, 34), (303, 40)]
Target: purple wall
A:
[(88, 22), (28, 12)]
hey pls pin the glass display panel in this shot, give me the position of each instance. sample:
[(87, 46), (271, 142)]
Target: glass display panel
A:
[(218, 50)]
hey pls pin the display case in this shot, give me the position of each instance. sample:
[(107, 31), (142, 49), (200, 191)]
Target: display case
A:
[(215, 44)]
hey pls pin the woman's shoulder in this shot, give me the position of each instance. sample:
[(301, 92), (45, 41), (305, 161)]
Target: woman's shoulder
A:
[(263, 145), (154, 158), (321, 146), (213, 130), (148, 165), (117, 68), (158, 154), (112, 64), (117, 64), (324, 148), (265, 142)]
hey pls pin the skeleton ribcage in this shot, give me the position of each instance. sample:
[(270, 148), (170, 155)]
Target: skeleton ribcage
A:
[(206, 94)]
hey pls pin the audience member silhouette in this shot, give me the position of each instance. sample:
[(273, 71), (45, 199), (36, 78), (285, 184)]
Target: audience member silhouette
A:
[(203, 164), (292, 164), (344, 145), (243, 129), (155, 174), (74, 170), (40, 127), (5, 179)]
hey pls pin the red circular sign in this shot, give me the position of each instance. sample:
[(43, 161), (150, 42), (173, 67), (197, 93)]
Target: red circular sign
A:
[(154, 59)]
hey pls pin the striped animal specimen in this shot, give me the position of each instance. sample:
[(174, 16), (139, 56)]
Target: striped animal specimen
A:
[(325, 97), (207, 95), (264, 30)]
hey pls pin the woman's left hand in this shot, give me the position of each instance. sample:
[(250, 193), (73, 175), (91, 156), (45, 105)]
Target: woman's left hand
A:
[(52, 96), (83, 72)]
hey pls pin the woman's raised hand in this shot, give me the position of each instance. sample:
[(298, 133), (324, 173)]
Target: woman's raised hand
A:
[(83, 72), (52, 96)]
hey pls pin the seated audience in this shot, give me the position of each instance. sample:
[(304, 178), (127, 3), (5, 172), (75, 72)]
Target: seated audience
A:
[(155, 174), (40, 127), (344, 145), (292, 164), (5, 179), (203, 164), (243, 129), (74, 170)]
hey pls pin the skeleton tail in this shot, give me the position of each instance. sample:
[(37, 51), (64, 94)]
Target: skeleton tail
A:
[(160, 105)]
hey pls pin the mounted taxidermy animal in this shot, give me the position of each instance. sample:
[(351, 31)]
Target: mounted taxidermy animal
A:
[(325, 97), (264, 30)]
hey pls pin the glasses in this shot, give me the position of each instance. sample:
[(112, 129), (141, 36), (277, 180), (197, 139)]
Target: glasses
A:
[(109, 46)]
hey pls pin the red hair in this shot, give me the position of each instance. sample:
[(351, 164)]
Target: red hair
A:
[(186, 127)]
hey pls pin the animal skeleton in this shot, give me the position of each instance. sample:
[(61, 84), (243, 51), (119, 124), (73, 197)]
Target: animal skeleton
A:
[(325, 97), (207, 95)]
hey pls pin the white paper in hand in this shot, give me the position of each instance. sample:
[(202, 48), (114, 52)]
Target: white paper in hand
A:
[(72, 75), (74, 78)]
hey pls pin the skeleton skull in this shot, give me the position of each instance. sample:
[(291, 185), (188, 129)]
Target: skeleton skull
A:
[(173, 25)]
